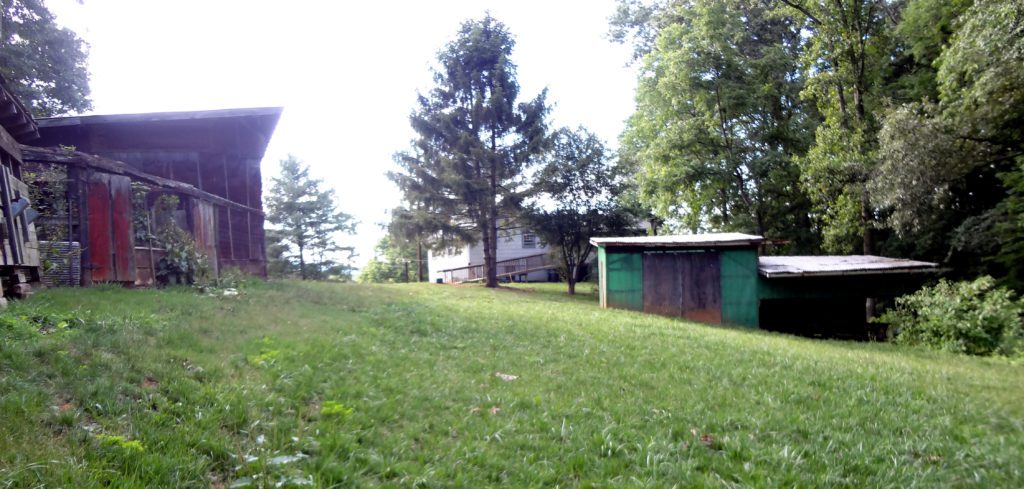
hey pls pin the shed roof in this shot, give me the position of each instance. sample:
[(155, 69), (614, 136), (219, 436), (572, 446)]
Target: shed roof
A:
[(824, 266), (680, 241), (274, 112)]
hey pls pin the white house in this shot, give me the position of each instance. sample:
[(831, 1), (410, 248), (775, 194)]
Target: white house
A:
[(519, 249)]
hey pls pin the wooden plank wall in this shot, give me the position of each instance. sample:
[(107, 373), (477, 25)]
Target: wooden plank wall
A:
[(111, 250)]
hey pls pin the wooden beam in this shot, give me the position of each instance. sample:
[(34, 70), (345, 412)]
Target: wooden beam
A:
[(9, 145), (107, 165)]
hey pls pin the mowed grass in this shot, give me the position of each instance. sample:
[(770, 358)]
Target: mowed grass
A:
[(307, 384)]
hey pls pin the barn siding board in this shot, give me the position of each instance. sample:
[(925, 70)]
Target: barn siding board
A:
[(625, 280), (701, 289), (121, 228), (663, 284), (739, 287), (100, 251)]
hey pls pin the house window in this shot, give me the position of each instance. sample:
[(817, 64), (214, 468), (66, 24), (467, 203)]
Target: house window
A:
[(529, 240)]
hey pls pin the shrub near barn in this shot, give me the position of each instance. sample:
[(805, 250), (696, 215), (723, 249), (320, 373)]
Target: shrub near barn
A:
[(976, 318)]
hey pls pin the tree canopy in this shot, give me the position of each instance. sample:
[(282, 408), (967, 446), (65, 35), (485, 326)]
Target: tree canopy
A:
[(44, 64), (576, 190), (878, 126)]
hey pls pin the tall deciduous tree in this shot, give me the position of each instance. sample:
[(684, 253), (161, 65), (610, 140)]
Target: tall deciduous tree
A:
[(45, 64), (847, 61), (474, 140), (576, 189), (308, 221), (953, 170), (719, 118)]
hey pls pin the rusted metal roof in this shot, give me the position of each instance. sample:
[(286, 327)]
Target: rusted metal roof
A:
[(681, 241), (833, 265)]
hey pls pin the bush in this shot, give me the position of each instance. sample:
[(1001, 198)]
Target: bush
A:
[(976, 318)]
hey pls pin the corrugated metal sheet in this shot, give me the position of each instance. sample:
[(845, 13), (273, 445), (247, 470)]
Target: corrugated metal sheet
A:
[(680, 241), (801, 266), (624, 281), (739, 287)]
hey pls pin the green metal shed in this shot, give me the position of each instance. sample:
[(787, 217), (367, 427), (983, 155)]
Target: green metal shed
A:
[(720, 279), (710, 278)]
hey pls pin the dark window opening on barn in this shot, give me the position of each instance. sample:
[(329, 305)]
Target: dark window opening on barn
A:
[(529, 240)]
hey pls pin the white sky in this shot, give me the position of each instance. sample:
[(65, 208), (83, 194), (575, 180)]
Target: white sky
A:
[(346, 73)]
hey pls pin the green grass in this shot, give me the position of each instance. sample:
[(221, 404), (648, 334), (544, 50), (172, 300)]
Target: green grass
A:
[(356, 385)]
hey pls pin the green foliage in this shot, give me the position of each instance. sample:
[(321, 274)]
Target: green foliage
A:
[(307, 225), (465, 174), (976, 318), (576, 191), (183, 262), (47, 186), (950, 169), (43, 63), (390, 263), (719, 119)]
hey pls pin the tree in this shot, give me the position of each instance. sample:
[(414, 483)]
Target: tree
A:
[(308, 222), (467, 167), (390, 263), (846, 64), (719, 119), (952, 170), (44, 64), (576, 189)]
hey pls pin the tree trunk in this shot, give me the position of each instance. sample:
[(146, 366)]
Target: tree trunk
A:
[(491, 259), (302, 264), (419, 261)]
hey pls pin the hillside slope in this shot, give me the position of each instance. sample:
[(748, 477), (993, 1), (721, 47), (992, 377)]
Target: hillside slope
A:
[(425, 385)]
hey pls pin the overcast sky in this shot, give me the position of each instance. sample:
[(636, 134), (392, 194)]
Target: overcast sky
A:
[(346, 73)]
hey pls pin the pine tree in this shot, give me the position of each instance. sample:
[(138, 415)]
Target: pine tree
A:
[(467, 169), (307, 220)]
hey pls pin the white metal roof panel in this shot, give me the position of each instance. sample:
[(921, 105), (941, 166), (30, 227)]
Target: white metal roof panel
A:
[(681, 240), (832, 265)]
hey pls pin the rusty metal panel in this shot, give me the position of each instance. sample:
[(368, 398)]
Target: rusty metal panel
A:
[(204, 229), (100, 252), (663, 287), (683, 284), (702, 286), (122, 234)]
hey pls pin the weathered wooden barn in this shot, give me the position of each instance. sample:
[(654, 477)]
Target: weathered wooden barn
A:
[(721, 279), (212, 158), (19, 256)]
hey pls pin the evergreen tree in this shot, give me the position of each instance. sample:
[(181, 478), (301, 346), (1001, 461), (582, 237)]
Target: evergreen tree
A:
[(466, 172), (308, 222)]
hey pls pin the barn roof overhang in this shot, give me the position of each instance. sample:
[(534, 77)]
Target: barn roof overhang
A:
[(260, 120), (717, 240), (254, 112), (771, 267), (15, 118)]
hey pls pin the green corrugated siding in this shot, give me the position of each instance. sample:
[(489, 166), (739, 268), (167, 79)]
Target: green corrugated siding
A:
[(739, 287), (624, 280)]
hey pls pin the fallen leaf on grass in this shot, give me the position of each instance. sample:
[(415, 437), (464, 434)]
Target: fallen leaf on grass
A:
[(506, 377), (474, 410), (495, 409), (150, 382)]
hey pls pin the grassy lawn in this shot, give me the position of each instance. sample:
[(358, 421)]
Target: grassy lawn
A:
[(294, 384)]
